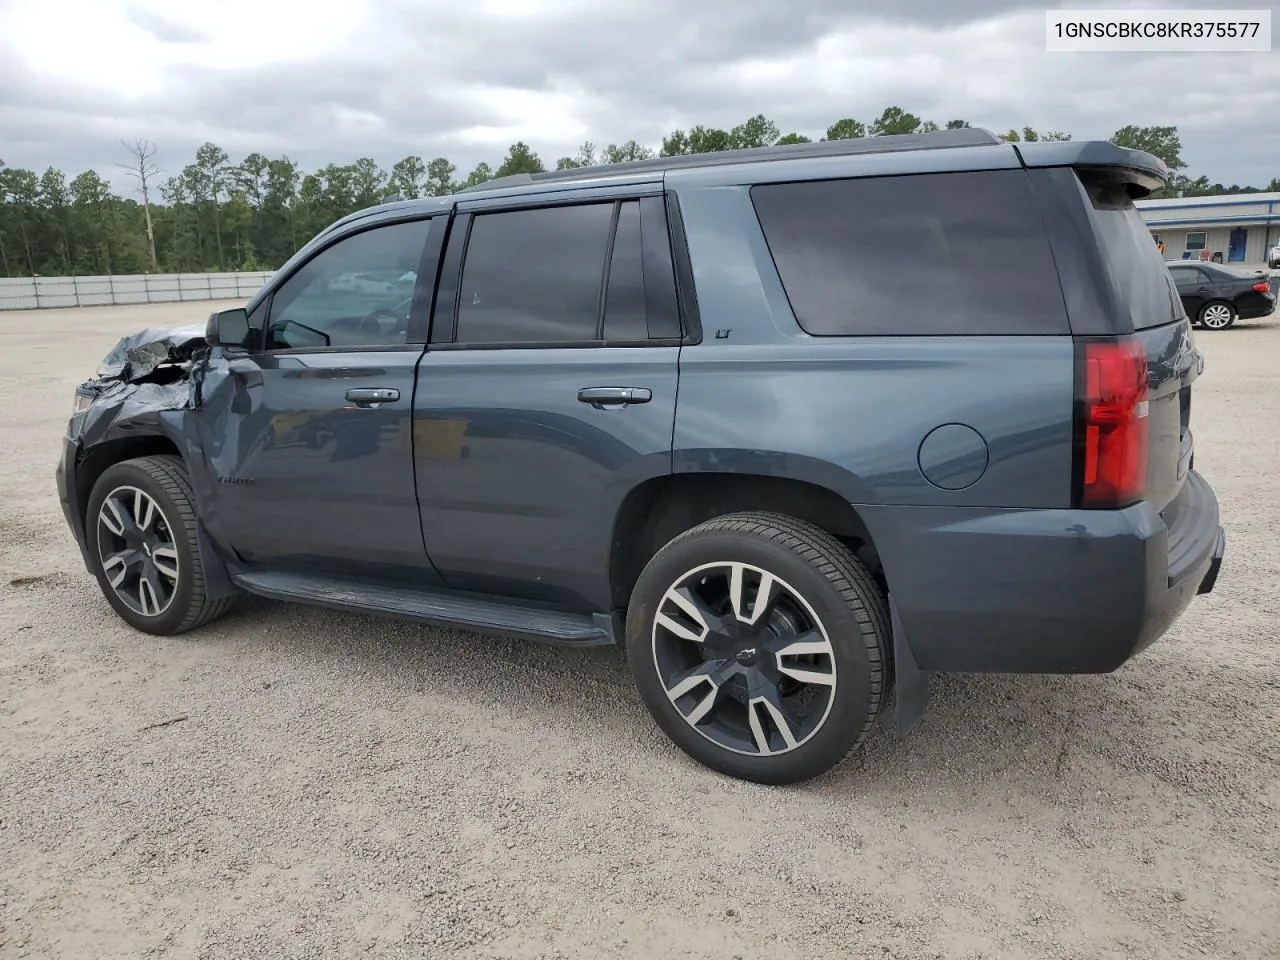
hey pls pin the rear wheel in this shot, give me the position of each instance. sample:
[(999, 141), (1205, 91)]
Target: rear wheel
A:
[(1217, 315), (760, 645), (142, 536)]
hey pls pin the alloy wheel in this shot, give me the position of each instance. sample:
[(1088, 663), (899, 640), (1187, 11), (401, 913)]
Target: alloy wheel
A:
[(137, 550), (1216, 316), (744, 659)]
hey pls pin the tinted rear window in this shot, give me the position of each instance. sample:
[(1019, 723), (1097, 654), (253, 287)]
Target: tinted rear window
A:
[(931, 254), (534, 275), (1139, 275)]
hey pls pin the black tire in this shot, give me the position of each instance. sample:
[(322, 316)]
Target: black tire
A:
[(163, 479), (1213, 309), (830, 583)]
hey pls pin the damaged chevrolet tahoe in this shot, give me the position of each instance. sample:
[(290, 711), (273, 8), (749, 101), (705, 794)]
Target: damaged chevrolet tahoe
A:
[(796, 425)]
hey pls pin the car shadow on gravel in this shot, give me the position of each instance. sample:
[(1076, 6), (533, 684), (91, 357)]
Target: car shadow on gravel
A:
[(976, 727), (1047, 734)]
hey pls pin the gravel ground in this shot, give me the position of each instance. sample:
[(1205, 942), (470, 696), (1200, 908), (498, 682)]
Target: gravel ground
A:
[(337, 785)]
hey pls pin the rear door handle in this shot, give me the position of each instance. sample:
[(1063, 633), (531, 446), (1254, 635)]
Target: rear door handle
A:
[(601, 397), (372, 396)]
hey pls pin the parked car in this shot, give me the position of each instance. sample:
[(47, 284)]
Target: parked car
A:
[(359, 283), (702, 406), (1215, 296), (1273, 257)]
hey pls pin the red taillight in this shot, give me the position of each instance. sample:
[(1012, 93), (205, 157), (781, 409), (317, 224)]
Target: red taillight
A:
[(1114, 423), (1263, 286)]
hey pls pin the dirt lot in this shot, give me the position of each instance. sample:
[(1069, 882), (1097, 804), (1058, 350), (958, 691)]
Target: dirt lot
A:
[(344, 786)]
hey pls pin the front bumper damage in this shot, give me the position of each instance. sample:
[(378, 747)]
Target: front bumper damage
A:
[(145, 374)]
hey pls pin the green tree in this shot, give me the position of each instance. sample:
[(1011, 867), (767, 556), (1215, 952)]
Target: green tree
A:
[(928, 127), (675, 144), (758, 131), (625, 152), (479, 175), (238, 222), (20, 189), (1162, 142), (55, 202), (90, 196), (846, 129), (4, 215), (957, 124), (180, 231), (894, 120), (793, 138), (440, 178), (519, 159), (279, 237), (211, 167), (368, 183), (586, 157), (408, 178), (699, 139), (250, 178)]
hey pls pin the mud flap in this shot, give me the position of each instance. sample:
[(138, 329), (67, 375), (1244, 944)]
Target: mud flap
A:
[(217, 581), (910, 682)]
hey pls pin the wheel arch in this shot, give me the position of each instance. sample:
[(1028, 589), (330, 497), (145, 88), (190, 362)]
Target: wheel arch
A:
[(659, 509), (163, 435), (166, 432), (100, 457)]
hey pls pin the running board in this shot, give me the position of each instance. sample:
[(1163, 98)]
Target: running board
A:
[(435, 607)]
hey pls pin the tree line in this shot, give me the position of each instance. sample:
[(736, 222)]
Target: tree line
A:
[(215, 215)]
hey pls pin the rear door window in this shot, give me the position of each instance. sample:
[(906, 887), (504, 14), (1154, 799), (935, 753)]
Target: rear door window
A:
[(1187, 276), (930, 254), (534, 276)]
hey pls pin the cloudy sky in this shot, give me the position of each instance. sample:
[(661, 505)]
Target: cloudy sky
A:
[(386, 78)]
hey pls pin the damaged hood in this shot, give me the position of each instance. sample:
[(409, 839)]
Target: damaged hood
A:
[(137, 356), (146, 373)]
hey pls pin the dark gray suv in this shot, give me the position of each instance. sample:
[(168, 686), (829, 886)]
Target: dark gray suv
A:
[(795, 424)]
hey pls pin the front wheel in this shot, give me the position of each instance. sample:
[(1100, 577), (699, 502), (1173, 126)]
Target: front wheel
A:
[(142, 537), (760, 645), (1217, 316)]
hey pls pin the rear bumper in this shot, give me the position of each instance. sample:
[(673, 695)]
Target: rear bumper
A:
[(1261, 305), (1045, 591)]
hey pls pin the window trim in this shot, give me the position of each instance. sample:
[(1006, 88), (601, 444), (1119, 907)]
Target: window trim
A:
[(682, 263), (415, 323), (444, 325), (1198, 233), (614, 215)]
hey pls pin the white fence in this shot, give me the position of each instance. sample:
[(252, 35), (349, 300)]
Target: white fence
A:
[(26, 293)]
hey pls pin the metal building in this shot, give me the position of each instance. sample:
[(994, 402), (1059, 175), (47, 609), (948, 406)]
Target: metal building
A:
[(1236, 228)]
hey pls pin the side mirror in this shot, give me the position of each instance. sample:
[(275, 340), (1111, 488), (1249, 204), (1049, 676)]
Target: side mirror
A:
[(227, 328)]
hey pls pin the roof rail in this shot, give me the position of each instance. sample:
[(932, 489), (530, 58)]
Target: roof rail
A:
[(939, 139)]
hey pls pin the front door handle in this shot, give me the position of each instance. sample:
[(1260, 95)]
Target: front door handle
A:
[(601, 397), (372, 396)]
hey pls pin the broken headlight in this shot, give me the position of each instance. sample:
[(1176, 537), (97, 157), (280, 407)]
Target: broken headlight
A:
[(82, 402)]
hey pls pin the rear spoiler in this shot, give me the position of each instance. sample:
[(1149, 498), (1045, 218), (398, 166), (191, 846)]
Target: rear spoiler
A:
[(1142, 173)]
